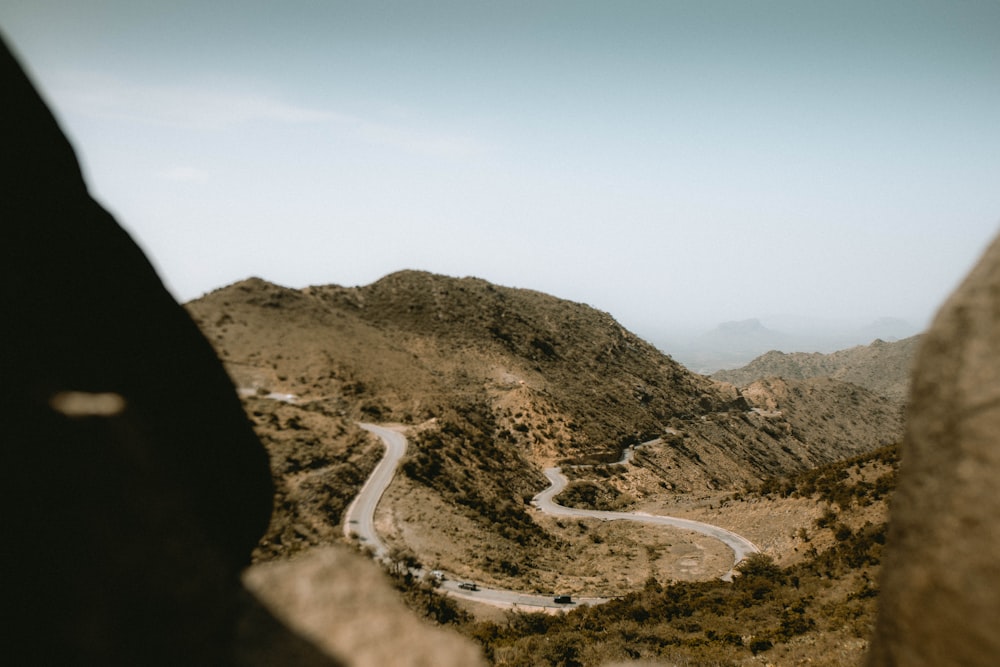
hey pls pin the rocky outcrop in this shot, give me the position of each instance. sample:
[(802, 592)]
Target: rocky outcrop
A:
[(341, 603), (940, 597)]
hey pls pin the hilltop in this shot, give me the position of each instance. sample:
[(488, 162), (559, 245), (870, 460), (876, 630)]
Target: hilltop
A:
[(881, 367), (557, 380)]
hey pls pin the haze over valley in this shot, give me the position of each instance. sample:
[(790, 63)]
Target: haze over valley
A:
[(733, 344)]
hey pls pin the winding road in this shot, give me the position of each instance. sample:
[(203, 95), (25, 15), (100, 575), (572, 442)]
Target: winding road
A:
[(359, 523), (359, 519), (741, 546)]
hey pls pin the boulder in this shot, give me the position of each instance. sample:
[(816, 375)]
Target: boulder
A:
[(344, 605), (940, 589)]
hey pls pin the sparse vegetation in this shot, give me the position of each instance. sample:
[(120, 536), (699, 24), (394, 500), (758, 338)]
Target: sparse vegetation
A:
[(460, 460), (542, 377), (319, 463), (882, 367), (704, 623), (841, 483)]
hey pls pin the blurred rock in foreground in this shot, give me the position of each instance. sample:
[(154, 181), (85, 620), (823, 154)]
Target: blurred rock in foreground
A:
[(940, 593)]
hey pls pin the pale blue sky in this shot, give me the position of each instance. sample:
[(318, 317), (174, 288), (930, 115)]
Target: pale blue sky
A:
[(673, 163)]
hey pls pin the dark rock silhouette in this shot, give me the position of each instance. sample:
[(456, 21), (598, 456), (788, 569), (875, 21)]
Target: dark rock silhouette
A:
[(134, 486), (940, 590)]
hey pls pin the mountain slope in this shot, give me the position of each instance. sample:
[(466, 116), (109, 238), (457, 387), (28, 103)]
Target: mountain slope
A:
[(558, 378), (497, 383), (883, 368), (412, 344)]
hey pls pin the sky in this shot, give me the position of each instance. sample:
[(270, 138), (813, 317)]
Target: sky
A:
[(677, 164)]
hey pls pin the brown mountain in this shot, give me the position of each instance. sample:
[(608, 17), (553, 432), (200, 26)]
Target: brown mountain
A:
[(882, 367), (498, 383)]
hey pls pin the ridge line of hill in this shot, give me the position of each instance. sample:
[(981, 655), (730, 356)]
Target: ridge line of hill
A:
[(881, 367)]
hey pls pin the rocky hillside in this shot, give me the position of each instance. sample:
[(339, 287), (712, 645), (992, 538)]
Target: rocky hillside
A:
[(413, 344), (882, 368), (499, 383)]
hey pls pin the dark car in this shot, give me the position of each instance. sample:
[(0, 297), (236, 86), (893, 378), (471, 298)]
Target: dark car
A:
[(563, 599), (468, 585)]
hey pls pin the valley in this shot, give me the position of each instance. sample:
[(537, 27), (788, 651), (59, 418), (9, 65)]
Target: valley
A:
[(359, 526), (496, 386)]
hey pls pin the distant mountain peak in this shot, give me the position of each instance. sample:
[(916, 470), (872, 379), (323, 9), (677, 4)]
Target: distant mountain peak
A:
[(749, 326), (881, 367)]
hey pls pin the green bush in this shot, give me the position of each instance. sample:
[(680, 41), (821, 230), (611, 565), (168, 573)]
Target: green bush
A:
[(830, 482)]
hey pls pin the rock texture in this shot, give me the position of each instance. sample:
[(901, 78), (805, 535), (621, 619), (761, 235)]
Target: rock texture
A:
[(336, 599), (940, 599)]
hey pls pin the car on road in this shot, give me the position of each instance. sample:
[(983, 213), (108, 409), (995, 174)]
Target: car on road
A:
[(468, 586), (563, 599)]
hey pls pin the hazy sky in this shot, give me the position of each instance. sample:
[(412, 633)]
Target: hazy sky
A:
[(668, 162)]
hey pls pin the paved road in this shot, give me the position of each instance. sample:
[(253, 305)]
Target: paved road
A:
[(359, 523), (741, 546), (359, 519)]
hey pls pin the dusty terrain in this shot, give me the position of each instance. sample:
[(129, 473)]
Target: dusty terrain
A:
[(586, 557), (608, 558), (498, 384)]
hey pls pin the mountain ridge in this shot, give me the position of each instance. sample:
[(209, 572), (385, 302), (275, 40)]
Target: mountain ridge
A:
[(496, 384), (882, 367), (523, 346), (735, 344)]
